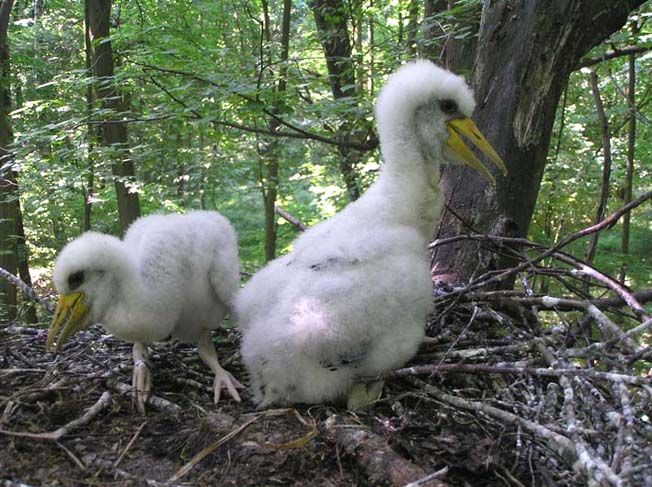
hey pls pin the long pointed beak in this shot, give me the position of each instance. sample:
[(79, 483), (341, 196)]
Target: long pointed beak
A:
[(466, 127), (70, 317)]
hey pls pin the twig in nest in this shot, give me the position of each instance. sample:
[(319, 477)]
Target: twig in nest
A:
[(563, 445), (154, 401), (492, 369), (131, 442), (382, 465), (492, 278), (103, 401), (72, 456), (427, 480), (594, 466), (298, 442), (210, 449)]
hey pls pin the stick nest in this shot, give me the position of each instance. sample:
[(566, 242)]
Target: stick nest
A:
[(518, 387)]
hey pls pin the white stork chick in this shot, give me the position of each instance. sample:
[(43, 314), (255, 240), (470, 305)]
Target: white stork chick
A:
[(172, 275), (352, 298)]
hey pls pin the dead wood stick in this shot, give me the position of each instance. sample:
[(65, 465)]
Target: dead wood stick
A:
[(492, 369), (290, 218), (621, 460), (382, 465), (131, 442), (210, 449), (604, 323), (28, 292), (154, 401), (566, 303), (560, 443), (480, 352), (609, 343), (581, 268), (595, 467), (429, 478), (606, 223), (103, 401), (614, 53)]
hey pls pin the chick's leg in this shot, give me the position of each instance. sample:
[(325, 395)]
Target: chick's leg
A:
[(142, 380), (222, 377), (363, 394)]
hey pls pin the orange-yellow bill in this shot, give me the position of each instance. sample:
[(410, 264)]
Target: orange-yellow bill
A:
[(70, 317), (465, 126)]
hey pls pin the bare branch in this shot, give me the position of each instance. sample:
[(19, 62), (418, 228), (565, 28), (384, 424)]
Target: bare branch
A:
[(613, 54)]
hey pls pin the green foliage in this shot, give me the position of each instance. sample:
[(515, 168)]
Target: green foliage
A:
[(198, 106), (571, 185)]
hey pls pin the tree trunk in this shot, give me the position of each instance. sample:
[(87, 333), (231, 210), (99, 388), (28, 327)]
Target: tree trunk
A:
[(413, 20), (443, 46), (270, 151), (331, 19), (92, 134), (114, 132), (8, 181), (631, 152), (526, 52), (23, 266), (606, 167)]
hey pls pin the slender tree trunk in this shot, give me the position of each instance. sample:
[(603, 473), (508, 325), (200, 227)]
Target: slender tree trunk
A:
[(606, 168), (271, 151), (631, 152), (92, 132), (23, 265), (114, 132), (331, 19), (526, 52), (413, 21), (8, 182), (444, 47)]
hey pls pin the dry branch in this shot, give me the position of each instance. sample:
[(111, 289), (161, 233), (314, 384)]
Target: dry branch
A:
[(290, 218), (154, 401), (28, 292), (382, 465), (103, 401), (433, 370)]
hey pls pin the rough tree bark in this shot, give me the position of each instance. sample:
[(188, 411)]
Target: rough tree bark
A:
[(332, 20), (114, 132), (8, 181), (526, 52)]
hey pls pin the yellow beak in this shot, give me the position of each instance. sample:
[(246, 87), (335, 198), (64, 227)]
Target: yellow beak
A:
[(70, 317), (466, 127)]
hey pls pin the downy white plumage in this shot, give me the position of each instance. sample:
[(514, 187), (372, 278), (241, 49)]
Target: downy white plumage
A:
[(172, 275), (352, 298)]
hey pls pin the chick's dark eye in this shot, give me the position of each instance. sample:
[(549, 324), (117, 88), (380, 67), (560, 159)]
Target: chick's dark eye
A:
[(448, 106), (75, 280)]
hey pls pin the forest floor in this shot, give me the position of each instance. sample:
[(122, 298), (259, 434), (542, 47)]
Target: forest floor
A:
[(487, 412)]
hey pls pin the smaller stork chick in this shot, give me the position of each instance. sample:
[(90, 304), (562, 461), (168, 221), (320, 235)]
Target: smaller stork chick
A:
[(171, 275)]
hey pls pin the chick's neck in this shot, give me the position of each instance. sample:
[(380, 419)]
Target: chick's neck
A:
[(407, 191)]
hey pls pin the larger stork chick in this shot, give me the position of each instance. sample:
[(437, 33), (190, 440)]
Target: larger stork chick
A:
[(352, 298), (171, 276)]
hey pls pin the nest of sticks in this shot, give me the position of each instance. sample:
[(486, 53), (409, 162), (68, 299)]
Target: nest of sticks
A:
[(515, 387)]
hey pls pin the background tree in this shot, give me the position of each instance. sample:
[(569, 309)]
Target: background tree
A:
[(520, 72), (8, 182), (198, 113), (114, 131)]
